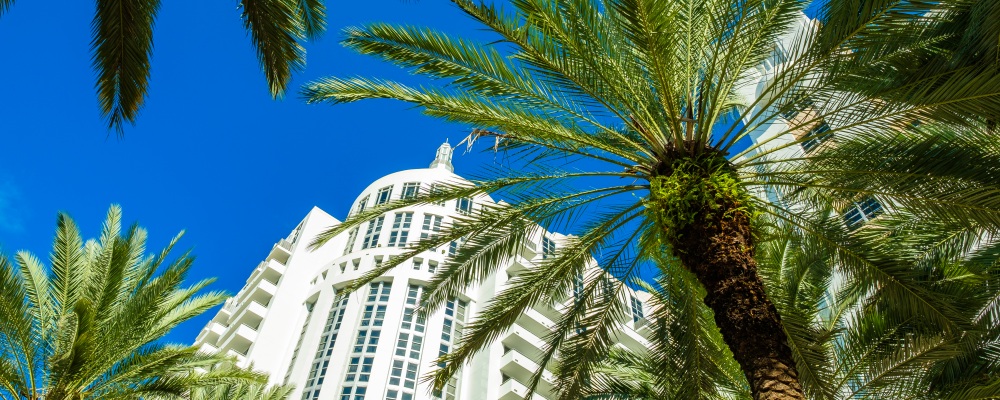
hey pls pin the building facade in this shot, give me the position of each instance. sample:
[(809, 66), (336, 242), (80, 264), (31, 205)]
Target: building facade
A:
[(289, 320)]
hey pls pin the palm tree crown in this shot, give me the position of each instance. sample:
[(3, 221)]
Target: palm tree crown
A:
[(90, 325), (649, 100)]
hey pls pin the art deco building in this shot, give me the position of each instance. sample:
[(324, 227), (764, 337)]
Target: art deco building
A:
[(289, 321)]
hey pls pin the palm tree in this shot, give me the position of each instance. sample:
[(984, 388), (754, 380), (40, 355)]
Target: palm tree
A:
[(242, 390), (853, 344), (90, 325), (122, 45), (649, 100)]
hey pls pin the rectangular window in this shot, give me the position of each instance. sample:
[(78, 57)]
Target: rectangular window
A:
[(361, 205), (548, 247), (637, 313), (397, 372), (353, 393), (410, 190), (351, 237), (436, 189), (861, 212), (384, 194), (372, 233), (400, 229), (464, 205), (431, 226), (578, 286), (816, 136), (417, 263)]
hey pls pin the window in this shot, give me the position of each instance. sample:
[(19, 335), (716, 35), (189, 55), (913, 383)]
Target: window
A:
[(432, 266), (351, 237), (325, 349), (383, 195), (372, 232), (406, 357), (361, 205), (637, 313), (353, 393), (410, 190), (362, 357), (548, 247), (400, 229), (436, 188), (578, 286), (431, 226), (861, 212), (816, 136), (417, 263), (454, 320), (464, 205)]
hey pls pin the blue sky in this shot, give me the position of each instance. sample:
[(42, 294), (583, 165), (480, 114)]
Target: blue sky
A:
[(212, 153)]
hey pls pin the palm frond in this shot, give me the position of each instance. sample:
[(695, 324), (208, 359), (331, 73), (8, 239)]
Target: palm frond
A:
[(122, 44), (275, 29)]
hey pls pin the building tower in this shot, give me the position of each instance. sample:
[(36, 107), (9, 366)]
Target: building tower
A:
[(289, 321)]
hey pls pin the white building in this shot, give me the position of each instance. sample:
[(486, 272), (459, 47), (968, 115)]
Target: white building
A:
[(287, 321), (780, 130)]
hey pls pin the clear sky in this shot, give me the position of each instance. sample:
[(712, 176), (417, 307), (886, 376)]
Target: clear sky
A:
[(211, 153)]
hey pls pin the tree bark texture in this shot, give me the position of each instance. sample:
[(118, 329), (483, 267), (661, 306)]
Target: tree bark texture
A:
[(719, 249)]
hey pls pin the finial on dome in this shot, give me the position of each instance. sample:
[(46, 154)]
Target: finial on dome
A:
[(443, 157)]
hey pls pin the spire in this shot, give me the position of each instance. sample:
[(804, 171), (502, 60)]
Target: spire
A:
[(443, 157)]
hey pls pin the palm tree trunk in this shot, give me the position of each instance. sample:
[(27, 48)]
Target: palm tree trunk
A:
[(718, 248)]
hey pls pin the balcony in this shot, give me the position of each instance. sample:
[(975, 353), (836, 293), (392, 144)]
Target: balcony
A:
[(518, 265), (525, 342), (553, 312), (631, 339), (521, 368), (260, 290), (514, 390), (644, 328), (530, 250), (211, 333), (240, 357), (537, 323), (239, 338), (250, 313), (280, 252), (228, 308), (208, 348)]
